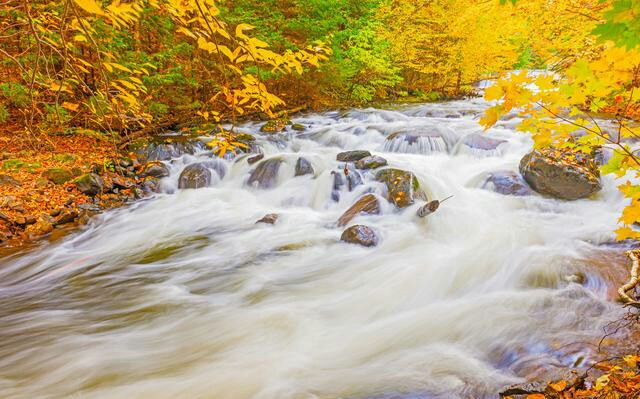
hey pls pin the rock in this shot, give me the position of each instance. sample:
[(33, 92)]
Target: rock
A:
[(265, 174), (274, 125), (254, 159), (165, 151), (482, 142), (298, 127), (270, 218), (125, 162), (360, 234), (41, 182), (120, 183), (561, 175), (155, 169), (403, 187), (41, 227), (349, 176), (367, 204), (89, 184), (371, 162), (150, 185), (303, 167), (352, 156), (507, 183), (194, 176), (419, 141), (65, 216), (428, 208), (6, 180)]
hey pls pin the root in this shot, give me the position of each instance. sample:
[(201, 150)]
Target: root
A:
[(634, 255)]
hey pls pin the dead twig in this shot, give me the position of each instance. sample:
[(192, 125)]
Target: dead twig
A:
[(634, 255)]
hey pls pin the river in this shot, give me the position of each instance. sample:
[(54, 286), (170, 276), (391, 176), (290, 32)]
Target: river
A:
[(184, 296)]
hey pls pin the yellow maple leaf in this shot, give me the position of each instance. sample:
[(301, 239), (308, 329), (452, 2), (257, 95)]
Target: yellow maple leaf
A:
[(90, 6)]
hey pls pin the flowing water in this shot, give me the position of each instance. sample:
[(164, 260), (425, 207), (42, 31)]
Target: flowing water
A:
[(184, 296)]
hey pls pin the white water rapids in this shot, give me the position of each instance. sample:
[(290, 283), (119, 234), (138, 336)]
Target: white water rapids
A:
[(184, 296)]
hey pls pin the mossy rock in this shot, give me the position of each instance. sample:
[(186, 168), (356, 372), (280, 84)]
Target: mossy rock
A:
[(298, 127), (89, 184), (57, 175), (274, 125)]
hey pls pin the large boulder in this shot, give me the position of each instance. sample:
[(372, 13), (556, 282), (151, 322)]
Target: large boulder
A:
[(89, 184), (303, 167), (403, 188), (265, 175), (561, 174), (352, 156), (361, 235), (195, 176), (201, 174), (507, 182), (367, 204)]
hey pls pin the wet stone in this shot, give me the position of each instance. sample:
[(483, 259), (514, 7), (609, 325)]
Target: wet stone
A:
[(255, 158), (352, 156), (303, 167), (155, 169), (367, 204), (561, 175), (265, 174), (270, 218), (507, 183), (194, 176), (402, 186), (371, 162), (361, 235)]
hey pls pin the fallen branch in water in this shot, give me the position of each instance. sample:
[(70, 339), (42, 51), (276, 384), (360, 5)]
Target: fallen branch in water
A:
[(430, 207), (634, 255)]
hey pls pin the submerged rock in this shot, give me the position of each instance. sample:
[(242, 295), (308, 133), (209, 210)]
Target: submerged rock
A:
[(195, 176), (367, 204), (155, 169), (560, 174), (352, 156), (371, 162), (266, 173), (418, 141), (507, 182), (270, 218), (361, 235), (348, 178), (481, 143), (303, 167), (89, 184), (255, 158), (402, 186)]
